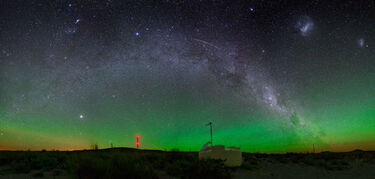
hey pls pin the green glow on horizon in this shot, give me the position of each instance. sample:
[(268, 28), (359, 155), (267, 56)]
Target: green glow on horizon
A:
[(158, 129)]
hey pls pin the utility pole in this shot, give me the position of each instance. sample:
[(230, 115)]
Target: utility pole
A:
[(210, 124), (313, 148)]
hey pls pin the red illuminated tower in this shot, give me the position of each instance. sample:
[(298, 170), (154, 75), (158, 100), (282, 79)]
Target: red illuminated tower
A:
[(137, 143)]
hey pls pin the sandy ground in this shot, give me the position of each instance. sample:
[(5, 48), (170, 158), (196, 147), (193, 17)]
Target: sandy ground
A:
[(290, 170), (265, 170), (53, 174)]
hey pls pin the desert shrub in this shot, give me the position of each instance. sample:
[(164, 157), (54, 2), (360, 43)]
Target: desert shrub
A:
[(109, 165), (6, 159), (94, 147), (249, 161), (21, 166), (127, 167), (157, 160), (57, 172), (43, 161), (249, 166), (38, 174), (179, 167), (174, 156), (26, 161), (90, 168), (210, 169), (328, 164), (197, 169), (338, 165)]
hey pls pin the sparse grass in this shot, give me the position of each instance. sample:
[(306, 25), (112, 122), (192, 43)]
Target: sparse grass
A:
[(328, 164), (326, 160), (56, 172), (115, 165), (250, 161), (128, 163), (197, 169), (24, 162), (38, 174)]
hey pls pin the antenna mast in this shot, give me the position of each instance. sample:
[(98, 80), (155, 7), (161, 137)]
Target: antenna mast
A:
[(210, 124)]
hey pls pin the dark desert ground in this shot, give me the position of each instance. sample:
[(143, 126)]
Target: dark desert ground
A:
[(133, 163)]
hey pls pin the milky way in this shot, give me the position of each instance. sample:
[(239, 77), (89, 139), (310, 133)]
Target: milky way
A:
[(271, 76)]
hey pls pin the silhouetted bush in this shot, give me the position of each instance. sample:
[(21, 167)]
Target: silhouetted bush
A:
[(109, 165), (197, 169), (38, 174), (42, 161), (21, 166), (250, 161), (131, 163)]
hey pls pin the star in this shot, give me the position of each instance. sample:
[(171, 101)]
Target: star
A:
[(77, 21), (81, 116), (71, 30), (361, 42), (252, 9), (137, 34)]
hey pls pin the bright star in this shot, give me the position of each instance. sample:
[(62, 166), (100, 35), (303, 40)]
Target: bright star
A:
[(81, 116), (77, 21), (361, 42), (137, 33)]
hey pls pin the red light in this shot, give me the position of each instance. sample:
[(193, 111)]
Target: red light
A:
[(137, 143)]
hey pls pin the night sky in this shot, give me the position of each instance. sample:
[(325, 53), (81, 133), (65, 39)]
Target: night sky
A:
[(272, 76)]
